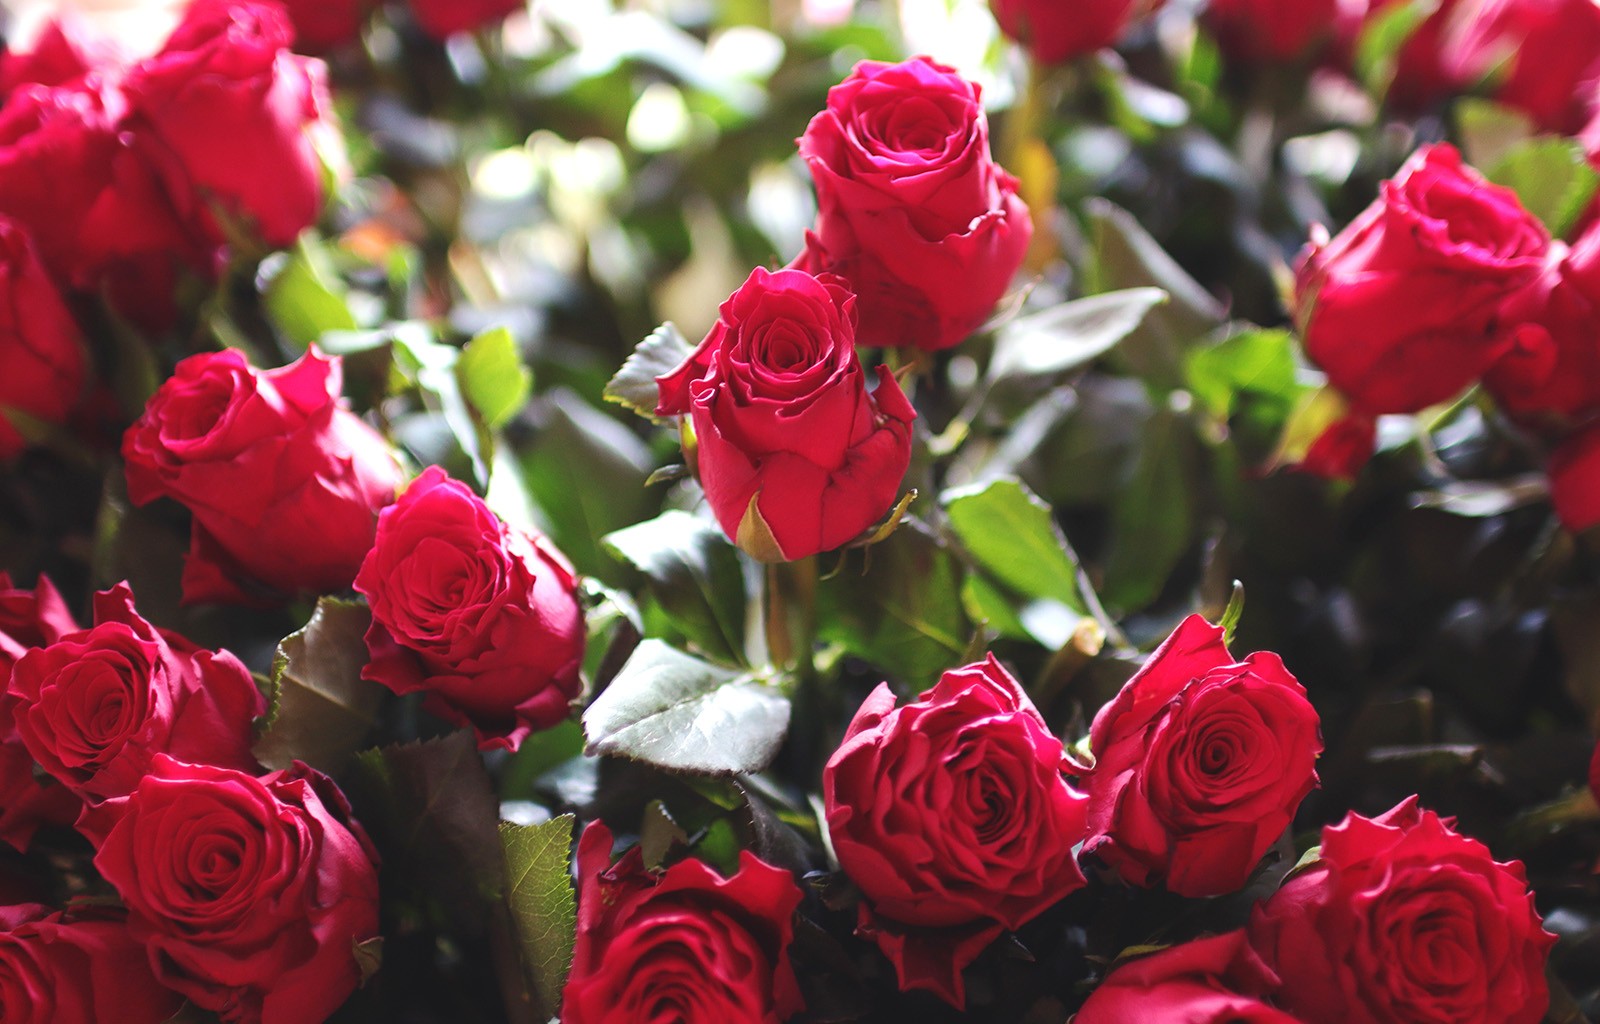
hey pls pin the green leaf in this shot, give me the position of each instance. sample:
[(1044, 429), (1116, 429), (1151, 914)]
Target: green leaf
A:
[(1126, 256), (1552, 177), (1259, 362), (1489, 131), (1382, 36), (586, 472), (1070, 335), (543, 908), (656, 356), (1232, 613), (305, 297), (904, 613), (493, 377), (1484, 499), (1153, 516), (677, 712), (1011, 533), (431, 808), (694, 574), (432, 365), (986, 604), (322, 708)]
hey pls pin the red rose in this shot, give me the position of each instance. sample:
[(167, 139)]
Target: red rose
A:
[(1402, 308), (1055, 32), (1551, 373), (1544, 56), (1265, 31), (1200, 764), (42, 364), (795, 454), (912, 209), (76, 969), (952, 816), (444, 18), (227, 113), (1207, 981), (1421, 77), (95, 706), (1594, 773), (284, 482), (92, 205), (682, 944), (482, 618), (326, 24), (251, 894), (1575, 479), (62, 54), (1404, 921), (1339, 452), (28, 619)]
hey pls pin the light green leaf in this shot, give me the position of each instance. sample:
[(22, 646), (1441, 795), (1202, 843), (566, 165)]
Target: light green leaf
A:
[(1070, 335), (493, 377), (1260, 362), (543, 908), (1011, 533), (304, 295), (1382, 36), (656, 356), (678, 712), (1552, 177), (1490, 131)]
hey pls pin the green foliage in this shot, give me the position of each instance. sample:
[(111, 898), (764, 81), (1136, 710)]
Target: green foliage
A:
[(694, 575), (305, 297), (321, 709), (1069, 335), (493, 378), (543, 907), (1551, 176), (634, 385)]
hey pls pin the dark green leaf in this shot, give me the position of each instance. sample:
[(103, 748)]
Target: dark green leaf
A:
[(323, 709), (1070, 335), (694, 574), (635, 384), (904, 614), (677, 712), (492, 376), (1154, 514), (539, 893)]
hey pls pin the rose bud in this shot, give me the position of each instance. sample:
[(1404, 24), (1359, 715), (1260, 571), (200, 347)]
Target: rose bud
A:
[(1550, 376), (1575, 479), (912, 209), (795, 454), (1055, 32), (1542, 55), (1199, 765), (1275, 31), (147, 697), (1216, 980), (1402, 309), (66, 50), (92, 204), (42, 362), (285, 483), (680, 944), (28, 619), (251, 894), (952, 816), (1403, 919), (482, 618), (76, 968), (228, 115), (321, 25), (444, 18)]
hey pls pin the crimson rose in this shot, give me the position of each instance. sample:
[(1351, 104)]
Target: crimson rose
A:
[(1216, 980), (681, 944), (952, 816), (65, 51), (1550, 376), (227, 113), (325, 24), (1575, 479), (1402, 920), (482, 618), (795, 454), (1251, 31), (42, 363), (251, 894), (1544, 56), (912, 209), (28, 619), (96, 706), (284, 482), (444, 18), (58, 968), (1055, 32), (1403, 307), (1200, 764)]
